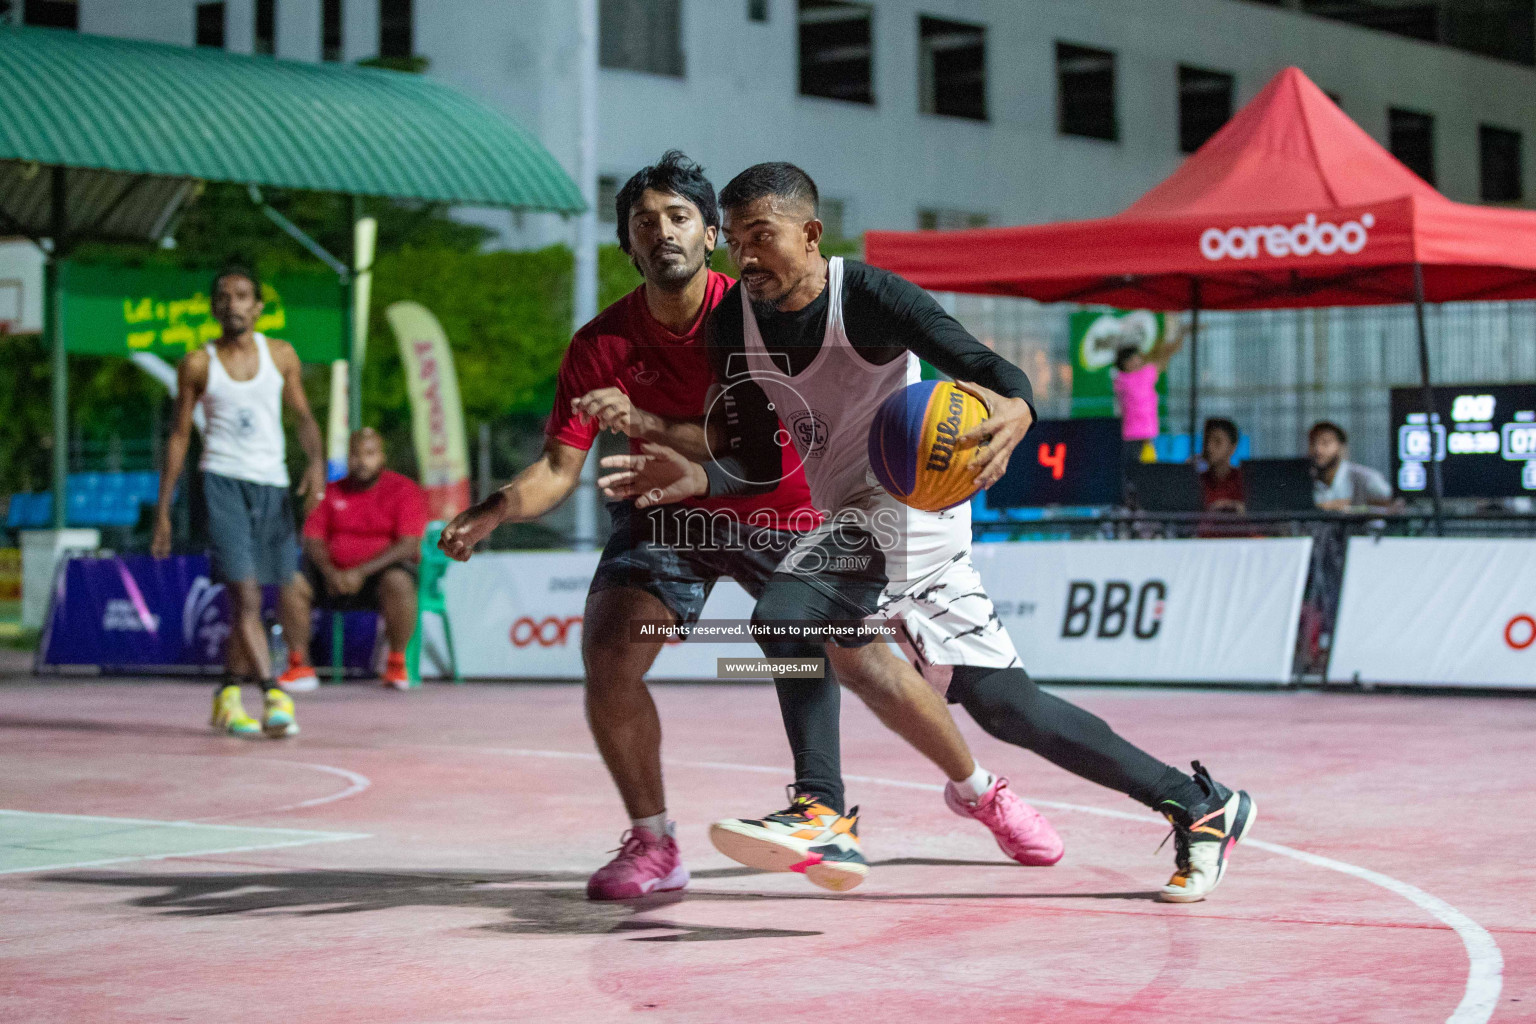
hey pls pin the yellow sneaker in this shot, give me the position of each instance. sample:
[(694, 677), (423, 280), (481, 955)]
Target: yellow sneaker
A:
[(229, 714), (277, 720)]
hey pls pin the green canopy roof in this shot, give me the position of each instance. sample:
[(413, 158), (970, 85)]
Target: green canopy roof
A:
[(174, 113)]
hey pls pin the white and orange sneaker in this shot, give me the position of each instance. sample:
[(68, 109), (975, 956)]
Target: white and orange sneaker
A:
[(646, 863), (395, 676), (1021, 831), (299, 678), (1204, 835), (807, 837)]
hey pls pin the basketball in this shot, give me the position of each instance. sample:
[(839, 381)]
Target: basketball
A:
[(912, 444)]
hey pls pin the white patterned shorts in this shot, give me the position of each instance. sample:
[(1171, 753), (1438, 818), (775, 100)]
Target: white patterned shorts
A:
[(946, 619)]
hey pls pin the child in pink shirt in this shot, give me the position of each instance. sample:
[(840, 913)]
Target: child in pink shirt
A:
[(1136, 389)]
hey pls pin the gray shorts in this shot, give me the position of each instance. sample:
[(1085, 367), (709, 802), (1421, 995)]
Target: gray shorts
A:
[(250, 531)]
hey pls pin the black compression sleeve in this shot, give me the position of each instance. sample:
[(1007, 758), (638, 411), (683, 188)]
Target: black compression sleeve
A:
[(885, 311)]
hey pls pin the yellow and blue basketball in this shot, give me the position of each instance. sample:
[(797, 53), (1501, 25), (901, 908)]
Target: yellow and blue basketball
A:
[(912, 444)]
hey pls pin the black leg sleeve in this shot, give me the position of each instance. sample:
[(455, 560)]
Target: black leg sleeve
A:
[(812, 708), (1008, 705)]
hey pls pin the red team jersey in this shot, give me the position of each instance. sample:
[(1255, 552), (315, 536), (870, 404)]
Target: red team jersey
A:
[(358, 523), (669, 375)]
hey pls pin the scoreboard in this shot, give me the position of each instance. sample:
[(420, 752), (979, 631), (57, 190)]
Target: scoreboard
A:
[(1484, 438), (1063, 462)]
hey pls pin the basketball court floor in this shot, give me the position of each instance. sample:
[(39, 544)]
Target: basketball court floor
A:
[(421, 857)]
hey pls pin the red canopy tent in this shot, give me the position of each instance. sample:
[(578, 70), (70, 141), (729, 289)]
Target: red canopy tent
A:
[(1290, 204)]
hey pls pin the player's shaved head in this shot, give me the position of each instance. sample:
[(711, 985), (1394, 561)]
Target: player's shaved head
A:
[(789, 188)]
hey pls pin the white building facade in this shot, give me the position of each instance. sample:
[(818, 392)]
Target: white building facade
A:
[(950, 113), (1032, 87)]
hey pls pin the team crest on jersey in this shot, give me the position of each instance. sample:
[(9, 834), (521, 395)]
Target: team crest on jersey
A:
[(810, 432), (646, 377)]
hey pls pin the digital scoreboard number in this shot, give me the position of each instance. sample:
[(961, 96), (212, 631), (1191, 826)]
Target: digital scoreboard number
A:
[(1063, 462), (1483, 437)]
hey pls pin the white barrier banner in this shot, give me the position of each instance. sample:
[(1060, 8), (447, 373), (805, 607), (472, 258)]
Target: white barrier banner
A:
[(1148, 611), (1151, 610), (518, 615), (1435, 611)]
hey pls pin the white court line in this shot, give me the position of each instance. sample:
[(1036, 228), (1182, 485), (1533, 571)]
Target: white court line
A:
[(358, 783), (309, 837), (1485, 973)]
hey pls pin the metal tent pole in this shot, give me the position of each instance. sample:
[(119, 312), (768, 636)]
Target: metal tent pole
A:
[(1194, 364), (53, 314), (1436, 484), (585, 538)]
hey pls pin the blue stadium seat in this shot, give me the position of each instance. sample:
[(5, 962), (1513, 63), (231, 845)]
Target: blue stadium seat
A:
[(114, 483), (82, 509), (15, 513), (120, 510), (144, 485), (40, 513)]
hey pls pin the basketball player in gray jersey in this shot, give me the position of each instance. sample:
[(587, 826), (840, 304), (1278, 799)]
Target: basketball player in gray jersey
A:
[(820, 343), (242, 381)]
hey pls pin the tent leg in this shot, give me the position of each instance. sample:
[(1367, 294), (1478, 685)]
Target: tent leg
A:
[(1194, 367), (349, 327), (53, 310), (1436, 484)]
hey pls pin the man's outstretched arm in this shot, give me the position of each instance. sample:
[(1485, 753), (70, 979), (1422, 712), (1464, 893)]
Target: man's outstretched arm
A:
[(530, 494)]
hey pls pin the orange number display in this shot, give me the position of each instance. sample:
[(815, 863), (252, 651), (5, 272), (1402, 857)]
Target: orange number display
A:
[(1054, 459)]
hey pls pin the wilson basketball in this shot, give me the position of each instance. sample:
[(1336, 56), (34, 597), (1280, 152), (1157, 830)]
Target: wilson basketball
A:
[(912, 444)]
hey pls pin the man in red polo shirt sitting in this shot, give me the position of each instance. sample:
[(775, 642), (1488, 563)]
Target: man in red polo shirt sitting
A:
[(362, 544)]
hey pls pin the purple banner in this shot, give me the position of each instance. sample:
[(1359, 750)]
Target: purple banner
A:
[(140, 613)]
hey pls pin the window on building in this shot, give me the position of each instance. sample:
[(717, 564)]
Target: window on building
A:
[(397, 28), (1411, 138), (952, 68), (832, 213), (51, 13), (607, 199), (949, 220), (837, 52), (641, 35), (266, 27), (1501, 164), (210, 24), (1085, 92), (1205, 104), (330, 30), (757, 10)]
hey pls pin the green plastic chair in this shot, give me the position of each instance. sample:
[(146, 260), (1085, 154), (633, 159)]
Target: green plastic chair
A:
[(429, 598)]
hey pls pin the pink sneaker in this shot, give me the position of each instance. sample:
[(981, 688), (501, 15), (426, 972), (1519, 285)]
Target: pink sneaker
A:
[(646, 863), (1021, 831)]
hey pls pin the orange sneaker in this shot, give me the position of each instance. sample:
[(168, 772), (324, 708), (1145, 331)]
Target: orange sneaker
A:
[(395, 676), (300, 677)]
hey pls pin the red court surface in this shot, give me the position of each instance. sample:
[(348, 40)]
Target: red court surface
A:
[(421, 857)]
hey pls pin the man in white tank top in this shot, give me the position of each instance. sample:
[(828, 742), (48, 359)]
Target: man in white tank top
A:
[(820, 344), (242, 381)]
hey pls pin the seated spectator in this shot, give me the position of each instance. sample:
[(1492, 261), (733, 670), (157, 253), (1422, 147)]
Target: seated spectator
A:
[(1135, 387), (362, 544), (1341, 485), (1221, 484)]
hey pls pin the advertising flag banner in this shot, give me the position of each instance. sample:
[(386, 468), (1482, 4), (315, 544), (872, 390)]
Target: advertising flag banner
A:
[(1437, 611), (119, 311), (437, 416)]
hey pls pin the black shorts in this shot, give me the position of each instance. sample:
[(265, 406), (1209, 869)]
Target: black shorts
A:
[(365, 600), (676, 555), (839, 578), (251, 532)]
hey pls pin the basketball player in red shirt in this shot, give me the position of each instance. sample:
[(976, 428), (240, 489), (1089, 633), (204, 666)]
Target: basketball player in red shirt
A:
[(660, 564)]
